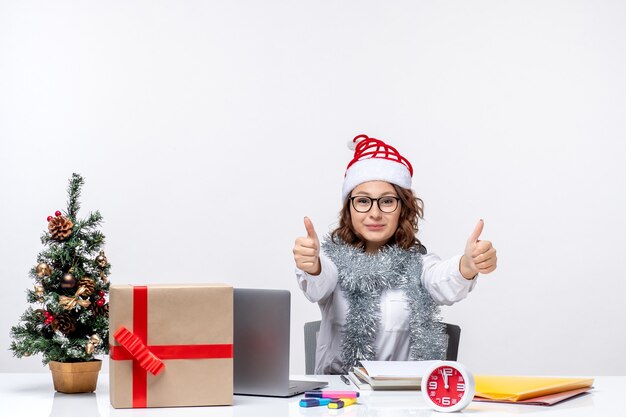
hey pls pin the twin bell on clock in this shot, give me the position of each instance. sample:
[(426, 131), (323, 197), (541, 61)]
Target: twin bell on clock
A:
[(448, 386)]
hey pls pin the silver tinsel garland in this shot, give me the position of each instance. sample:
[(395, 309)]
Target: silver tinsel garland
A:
[(363, 277)]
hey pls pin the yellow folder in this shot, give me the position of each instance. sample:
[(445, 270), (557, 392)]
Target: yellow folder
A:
[(517, 388)]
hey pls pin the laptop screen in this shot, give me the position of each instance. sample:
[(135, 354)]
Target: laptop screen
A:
[(261, 341)]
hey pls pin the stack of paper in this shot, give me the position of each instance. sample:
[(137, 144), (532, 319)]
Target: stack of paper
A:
[(529, 390), (402, 375), (360, 382)]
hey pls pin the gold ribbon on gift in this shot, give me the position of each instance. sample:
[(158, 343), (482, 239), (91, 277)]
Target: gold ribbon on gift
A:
[(69, 303)]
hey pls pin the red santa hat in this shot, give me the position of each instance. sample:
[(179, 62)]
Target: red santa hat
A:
[(374, 160)]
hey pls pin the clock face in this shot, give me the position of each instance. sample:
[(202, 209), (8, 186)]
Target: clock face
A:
[(448, 387)]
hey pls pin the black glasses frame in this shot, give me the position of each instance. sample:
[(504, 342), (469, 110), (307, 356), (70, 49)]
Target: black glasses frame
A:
[(398, 199)]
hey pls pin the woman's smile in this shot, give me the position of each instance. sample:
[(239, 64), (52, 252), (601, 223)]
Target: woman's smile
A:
[(374, 226)]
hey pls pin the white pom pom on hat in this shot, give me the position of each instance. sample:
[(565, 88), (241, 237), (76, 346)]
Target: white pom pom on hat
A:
[(352, 143), (374, 160)]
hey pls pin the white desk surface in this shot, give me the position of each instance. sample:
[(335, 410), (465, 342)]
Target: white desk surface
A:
[(32, 395)]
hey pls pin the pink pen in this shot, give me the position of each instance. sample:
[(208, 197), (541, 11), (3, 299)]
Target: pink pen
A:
[(331, 394)]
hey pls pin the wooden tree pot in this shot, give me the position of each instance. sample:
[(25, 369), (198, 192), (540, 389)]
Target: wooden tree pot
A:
[(75, 377)]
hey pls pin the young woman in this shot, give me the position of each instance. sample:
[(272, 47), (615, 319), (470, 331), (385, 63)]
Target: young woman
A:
[(378, 290)]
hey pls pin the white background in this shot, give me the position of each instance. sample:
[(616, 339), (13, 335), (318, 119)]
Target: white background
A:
[(206, 130)]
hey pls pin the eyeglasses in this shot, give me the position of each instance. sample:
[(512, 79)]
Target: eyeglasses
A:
[(386, 204)]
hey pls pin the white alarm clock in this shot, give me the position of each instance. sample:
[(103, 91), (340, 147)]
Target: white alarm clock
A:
[(448, 386)]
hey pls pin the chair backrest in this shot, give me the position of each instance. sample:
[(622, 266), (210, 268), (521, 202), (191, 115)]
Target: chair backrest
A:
[(312, 329), (454, 336)]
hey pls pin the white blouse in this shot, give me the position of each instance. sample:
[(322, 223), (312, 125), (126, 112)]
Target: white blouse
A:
[(441, 279)]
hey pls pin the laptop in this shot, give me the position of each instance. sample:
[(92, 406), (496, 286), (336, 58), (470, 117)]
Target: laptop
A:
[(261, 344)]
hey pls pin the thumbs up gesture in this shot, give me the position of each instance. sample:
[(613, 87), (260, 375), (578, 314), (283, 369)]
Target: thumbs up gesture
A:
[(479, 256), (306, 251)]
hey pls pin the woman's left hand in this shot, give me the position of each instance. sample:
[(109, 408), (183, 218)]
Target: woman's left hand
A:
[(480, 255)]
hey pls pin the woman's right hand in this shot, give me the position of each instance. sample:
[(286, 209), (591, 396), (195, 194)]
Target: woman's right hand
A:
[(306, 251)]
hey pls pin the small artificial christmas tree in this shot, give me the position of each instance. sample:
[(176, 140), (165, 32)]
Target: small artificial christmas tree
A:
[(70, 288)]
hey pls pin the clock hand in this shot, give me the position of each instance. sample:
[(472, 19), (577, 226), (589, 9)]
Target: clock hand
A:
[(445, 378)]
